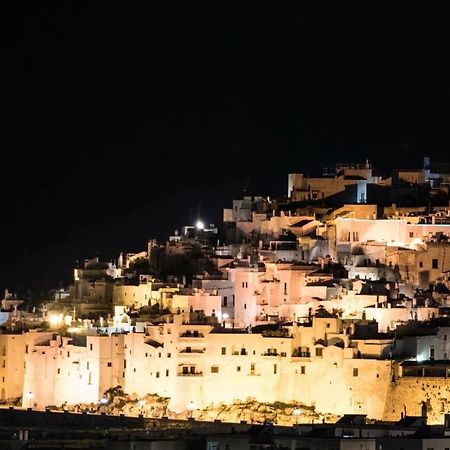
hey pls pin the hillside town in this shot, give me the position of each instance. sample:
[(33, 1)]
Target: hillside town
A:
[(333, 299)]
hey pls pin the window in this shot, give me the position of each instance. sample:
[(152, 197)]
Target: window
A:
[(411, 234), (26, 348), (68, 354), (225, 301), (59, 371), (90, 347), (328, 325), (355, 371), (275, 368), (243, 284), (285, 288), (303, 370), (355, 236), (238, 368), (245, 305), (146, 355), (110, 364), (159, 354), (233, 300), (124, 363), (214, 369), (420, 264), (431, 352), (169, 355), (252, 367), (434, 263), (87, 365), (157, 374), (445, 337), (167, 372), (319, 351), (224, 350)]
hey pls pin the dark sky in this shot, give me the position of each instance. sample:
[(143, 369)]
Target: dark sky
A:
[(122, 122)]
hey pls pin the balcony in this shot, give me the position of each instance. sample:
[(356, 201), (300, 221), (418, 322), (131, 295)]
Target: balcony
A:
[(190, 374), (192, 334), (189, 351), (243, 352)]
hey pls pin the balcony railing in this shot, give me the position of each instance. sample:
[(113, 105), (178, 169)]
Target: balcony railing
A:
[(190, 374), (192, 334)]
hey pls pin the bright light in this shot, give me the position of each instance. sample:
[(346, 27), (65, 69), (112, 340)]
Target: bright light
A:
[(297, 411), (104, 401), (199, 225), (55, 319), (224, 316), (190, 405), (29, 395), (73, 330), (141, 402)]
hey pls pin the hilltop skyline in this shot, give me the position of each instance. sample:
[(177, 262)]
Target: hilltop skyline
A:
[(112, 109)]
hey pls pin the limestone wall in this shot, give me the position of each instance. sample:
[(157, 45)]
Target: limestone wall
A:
[(407, 394)]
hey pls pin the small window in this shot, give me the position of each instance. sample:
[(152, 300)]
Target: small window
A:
[(434, 263), (146, 355), (159, 355), (445, 337), (238, 368), (110, 364), (87, 365), (275, 368), (225, 301), (245, 305), (420, 264), (328, 325), (90, 347), (157, 374), (167, 372), (319, 351), (169, 355), (214, 369), (252, 367), (224, 350), (59, 371), (411, 234), (68, 354), (303, 370), (355, 371)]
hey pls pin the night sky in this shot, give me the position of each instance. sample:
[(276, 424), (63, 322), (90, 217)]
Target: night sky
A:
[(123, 122)]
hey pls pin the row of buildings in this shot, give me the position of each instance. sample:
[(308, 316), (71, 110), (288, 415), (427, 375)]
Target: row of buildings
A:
[(343, 309)]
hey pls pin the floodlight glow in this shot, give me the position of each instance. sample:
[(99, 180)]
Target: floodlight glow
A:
[(55, 319), (199, 225)]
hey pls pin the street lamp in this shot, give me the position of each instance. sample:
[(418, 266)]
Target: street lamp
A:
[(29, 395), (296, 412), (190, 406)]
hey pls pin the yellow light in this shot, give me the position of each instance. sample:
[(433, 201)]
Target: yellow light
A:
[(55, 319)]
